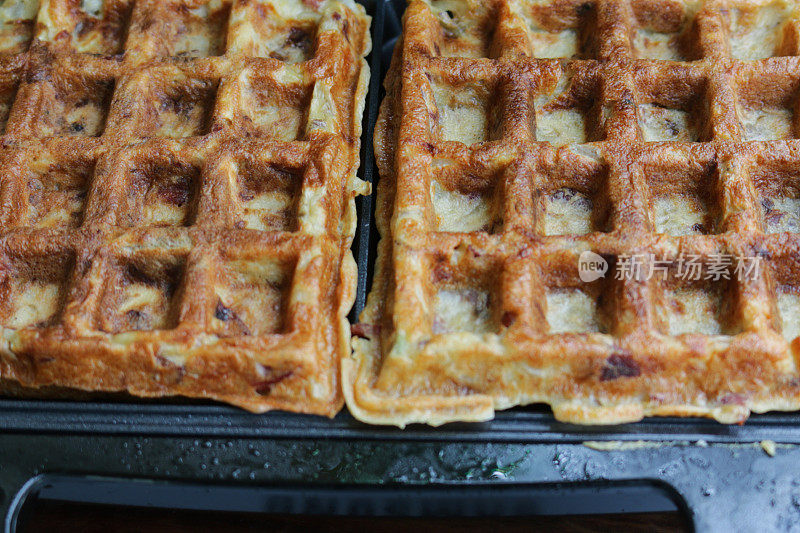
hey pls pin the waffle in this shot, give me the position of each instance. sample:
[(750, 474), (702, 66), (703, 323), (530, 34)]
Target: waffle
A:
[(177, 197), (516, 136)]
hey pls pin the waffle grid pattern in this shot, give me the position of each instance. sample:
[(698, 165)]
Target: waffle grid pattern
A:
[(518, 134), (177, 196)]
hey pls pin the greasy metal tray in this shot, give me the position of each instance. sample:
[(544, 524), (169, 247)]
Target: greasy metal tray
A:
[(522, 463)]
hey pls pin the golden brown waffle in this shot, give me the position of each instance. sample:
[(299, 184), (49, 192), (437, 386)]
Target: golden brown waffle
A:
[(517, 135), (177, 196)]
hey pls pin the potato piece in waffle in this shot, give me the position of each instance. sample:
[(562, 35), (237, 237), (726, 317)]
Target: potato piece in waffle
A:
[(177, 196), (519, 135)]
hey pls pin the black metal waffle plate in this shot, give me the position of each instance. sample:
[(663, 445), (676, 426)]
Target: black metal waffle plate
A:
[(520, 464)]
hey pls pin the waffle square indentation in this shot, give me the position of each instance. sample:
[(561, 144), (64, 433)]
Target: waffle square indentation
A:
[(768, 106), (673, 109), (252, 297), (663, 31), (573, 311), (778, 187), (56, 190), (573, 305), (465, 201), (142, 293), (574, 204), (465, 112), (176, 28), (72, 105), (685, 201), (173, 105), (96, 27), (701, 306), (268, 195), (568, 112), (756, 30), (162, 191), (560, 28), (463, 28), (466, 298), (17, 21), (34, 289), (782, 267), (285, 31), (789, 310), (262, 106)]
